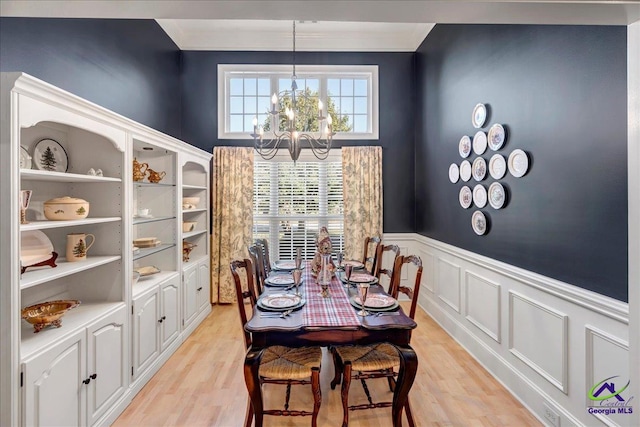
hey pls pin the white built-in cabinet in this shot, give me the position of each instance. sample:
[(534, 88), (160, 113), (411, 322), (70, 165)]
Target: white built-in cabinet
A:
[(107, 348)]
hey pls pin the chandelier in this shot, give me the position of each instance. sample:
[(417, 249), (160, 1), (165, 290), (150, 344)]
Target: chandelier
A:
[(293, 119)]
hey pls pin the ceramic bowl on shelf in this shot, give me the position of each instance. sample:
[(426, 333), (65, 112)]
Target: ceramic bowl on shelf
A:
[(66, 208), (190, 202), (188, 226), (47, 313)]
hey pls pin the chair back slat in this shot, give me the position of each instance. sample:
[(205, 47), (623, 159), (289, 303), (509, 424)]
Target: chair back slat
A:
[(395, 250), (266, 260), (256, 258), (413, 290), (370, 252), (243, 295)]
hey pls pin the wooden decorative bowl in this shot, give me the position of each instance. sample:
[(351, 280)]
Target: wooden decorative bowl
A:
[(47, 313)]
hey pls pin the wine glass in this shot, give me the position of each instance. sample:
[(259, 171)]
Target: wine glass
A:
[(340, 258), (297, 278), (298, 258), (363, 291), (348, 269)]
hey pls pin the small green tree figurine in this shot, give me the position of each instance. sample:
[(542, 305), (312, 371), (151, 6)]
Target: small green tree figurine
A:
[(48, 160), (80, 249)]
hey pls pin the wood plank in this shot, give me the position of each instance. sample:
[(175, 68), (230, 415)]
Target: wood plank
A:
[(202, 384)]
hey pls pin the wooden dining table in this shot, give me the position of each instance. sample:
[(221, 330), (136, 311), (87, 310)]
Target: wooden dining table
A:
[(327, 322)]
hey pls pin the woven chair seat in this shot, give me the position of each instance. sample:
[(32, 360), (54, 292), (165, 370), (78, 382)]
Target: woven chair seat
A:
[(287, 363), (370, 357)]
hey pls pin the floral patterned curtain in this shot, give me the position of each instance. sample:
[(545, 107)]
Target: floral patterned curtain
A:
[(232, 216), (362, 187)]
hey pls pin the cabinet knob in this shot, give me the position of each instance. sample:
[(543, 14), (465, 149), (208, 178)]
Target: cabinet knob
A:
[(162, 319), (94, 376), (199, 289), (87, 381)]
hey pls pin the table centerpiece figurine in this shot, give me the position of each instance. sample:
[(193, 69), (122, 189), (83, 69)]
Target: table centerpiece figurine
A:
[(323, 247)]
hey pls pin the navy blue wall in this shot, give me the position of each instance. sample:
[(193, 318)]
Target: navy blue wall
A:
[(561, 92), (128, 66), (200, 113)]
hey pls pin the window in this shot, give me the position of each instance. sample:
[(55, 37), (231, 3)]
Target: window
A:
[(349, 93), (291, 201)]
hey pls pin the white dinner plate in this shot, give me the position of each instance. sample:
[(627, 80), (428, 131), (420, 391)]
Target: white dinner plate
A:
[(518, 163), (376, 301), (35, 247), (479, 142), (353, 263), (454, 173), (497, 195), (465, 196), (279, 280), (357, 305), (479, 169), (479, 223), (363, 278), (25, 158), (480, 196), (48, 155), (497, 166), (280, 301), (496, 137), (464, 147), (478, 116), (286, 264), (465, 170)]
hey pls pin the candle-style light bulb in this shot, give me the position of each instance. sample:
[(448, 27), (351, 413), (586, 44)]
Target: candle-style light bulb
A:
[(255, 121), (274, 99), (295, 135), (329, 119), (320, 105)]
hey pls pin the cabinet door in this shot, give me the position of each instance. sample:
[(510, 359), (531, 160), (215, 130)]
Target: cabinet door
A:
[(106, 359), (54, 393), (190, 293), (170, 320), (204, 287), (146, 346)]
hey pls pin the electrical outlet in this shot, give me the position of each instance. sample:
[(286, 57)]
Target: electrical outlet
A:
[(550, 415)]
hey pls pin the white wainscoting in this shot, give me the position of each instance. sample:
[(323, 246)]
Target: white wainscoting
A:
[(546, 341)]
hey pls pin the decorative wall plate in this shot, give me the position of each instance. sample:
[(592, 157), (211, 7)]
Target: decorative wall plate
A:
[(478, 116), (464, 147), (479, 223), (479, 142), (497, 166), (479, 169), (465, 170), (48, 155), (454, 173), (25, 158), (465, 197), (496, 137), (35, 247), (480, 196), (497, 195), (518, 163)]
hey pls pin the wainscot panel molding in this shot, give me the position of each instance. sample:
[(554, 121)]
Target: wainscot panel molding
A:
[(560, 339)]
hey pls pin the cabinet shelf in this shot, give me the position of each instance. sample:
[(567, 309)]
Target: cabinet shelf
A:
[(153, 184), (74, 319), (193, 233), (144, 252), (38, 175), (149, 282), (41, 225), (155, 219), (188, 211), (194, 187), (36, 277)]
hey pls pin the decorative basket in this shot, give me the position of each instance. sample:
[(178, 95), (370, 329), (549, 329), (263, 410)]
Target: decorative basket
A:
[(47, 313)]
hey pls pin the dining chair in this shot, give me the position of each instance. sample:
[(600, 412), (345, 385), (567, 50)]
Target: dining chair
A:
[(266, 260), (388, 272), (255, 256), (369, 254), (376, 361), (279, 364)]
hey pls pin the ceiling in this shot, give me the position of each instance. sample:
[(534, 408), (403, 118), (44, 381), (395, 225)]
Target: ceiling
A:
[(329, 25)]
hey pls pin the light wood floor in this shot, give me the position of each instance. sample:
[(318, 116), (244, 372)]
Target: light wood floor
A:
[(202, 384)]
